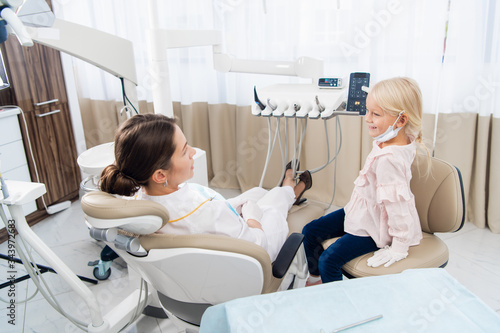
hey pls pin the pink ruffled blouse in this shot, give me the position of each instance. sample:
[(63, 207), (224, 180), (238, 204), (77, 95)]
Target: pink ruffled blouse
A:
[(382, 205)]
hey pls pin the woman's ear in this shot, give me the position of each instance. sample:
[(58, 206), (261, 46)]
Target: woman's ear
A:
[(159, 176)]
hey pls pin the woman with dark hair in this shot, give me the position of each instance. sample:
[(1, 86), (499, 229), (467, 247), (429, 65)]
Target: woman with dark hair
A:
[(154, 161)]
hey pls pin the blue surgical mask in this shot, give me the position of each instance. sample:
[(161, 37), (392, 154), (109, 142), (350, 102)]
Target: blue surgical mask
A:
[(391, 133)]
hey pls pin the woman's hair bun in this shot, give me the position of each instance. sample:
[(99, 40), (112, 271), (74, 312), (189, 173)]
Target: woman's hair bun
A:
[(114, 181)]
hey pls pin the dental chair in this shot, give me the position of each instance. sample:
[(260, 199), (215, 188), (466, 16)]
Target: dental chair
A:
[(189, 273), (439, 198)]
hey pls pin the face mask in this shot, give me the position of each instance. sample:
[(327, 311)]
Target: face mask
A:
[(391, 132)]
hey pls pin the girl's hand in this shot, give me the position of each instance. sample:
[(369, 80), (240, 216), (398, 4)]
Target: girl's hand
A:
[(385, 256)]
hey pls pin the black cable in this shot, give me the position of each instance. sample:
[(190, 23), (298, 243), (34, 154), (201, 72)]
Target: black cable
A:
[(125, 98)]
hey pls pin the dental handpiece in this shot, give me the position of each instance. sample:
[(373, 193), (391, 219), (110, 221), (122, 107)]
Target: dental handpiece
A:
[(321, 108), (257, 109), (261, 105)]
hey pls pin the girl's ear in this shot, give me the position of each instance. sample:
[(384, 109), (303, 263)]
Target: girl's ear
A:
[(403, 119), (159, 176)]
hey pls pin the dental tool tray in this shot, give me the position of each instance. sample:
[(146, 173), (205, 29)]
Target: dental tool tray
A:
[(302, 94), (22, 192)]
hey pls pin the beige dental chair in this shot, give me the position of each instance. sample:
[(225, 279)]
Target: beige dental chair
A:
[(189, 273), (439, 197)]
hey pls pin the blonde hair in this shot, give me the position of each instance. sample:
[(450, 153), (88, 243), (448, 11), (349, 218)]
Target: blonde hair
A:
[(401, 94)]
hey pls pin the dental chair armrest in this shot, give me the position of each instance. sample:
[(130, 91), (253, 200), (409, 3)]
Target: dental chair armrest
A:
[(286, 254)]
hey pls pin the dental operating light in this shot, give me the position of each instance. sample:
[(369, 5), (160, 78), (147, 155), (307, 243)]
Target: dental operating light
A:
[(12, 23)]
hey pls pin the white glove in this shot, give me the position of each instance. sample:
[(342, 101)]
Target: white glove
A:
[(385, 256), (250, 210)]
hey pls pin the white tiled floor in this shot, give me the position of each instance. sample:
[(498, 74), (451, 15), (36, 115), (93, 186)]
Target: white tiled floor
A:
[(474, 262)]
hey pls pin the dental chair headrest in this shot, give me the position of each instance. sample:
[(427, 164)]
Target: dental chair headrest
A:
[(103, 210)]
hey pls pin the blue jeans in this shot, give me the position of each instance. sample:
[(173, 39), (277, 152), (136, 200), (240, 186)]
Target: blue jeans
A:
[(328, 263)]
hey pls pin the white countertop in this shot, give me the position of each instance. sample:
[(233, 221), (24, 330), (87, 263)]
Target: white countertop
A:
[(8, 111)]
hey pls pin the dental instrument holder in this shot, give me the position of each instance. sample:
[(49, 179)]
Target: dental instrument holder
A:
[(119, 316), (269, 109), (304, 110), (301, 101), (292, 110), (280, 109)]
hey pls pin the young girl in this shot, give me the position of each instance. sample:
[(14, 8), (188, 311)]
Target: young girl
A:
[(153, 158), (381, 213)]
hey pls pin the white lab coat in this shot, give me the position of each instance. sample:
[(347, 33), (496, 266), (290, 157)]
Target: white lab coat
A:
[(219, 216)]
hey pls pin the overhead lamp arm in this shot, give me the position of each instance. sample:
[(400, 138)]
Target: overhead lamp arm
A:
[(305, 67), (160, 40), (113, 54)]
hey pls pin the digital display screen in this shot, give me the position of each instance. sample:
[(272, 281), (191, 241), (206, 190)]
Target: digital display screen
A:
[(356, 100), (329, 82)]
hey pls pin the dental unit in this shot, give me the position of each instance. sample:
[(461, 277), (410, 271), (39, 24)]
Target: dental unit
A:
[(283, 102)]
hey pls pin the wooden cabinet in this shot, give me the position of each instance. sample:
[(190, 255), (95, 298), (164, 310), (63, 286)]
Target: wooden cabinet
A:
[(36, 75), (52, 139), (38, 88)]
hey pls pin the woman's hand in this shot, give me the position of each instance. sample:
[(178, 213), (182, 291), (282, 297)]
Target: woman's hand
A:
[(252, 214), (254, 224), (250, 210)]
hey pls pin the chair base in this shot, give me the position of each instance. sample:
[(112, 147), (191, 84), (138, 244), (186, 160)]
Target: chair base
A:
[(190, 313), (153, 311), (432, 252)]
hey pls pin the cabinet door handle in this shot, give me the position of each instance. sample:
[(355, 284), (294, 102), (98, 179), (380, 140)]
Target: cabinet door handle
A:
[(55, 100), (48, 113)]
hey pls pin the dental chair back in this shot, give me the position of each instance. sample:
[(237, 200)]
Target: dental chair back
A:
[(189, 272)]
